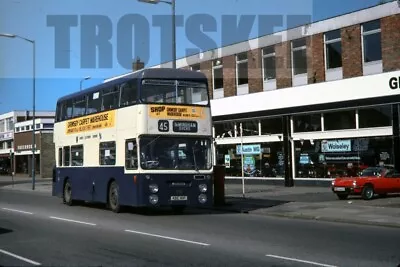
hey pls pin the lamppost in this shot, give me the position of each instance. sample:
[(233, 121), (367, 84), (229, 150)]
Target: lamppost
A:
[(172, 3), (84, 79), (7, 35)]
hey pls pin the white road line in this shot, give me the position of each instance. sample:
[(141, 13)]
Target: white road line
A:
[(68, 220), (19, 211), (166, 237), (298, 260), (19, 257)]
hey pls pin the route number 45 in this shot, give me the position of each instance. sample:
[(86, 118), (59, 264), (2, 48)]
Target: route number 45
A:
[(163, 126)]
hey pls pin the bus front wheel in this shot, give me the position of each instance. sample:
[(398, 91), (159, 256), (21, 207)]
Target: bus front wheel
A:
[(113, 197)]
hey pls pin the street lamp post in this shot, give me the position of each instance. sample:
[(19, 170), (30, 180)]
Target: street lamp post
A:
[(241, 154), (7, 35), (172, 3), (84, 79)]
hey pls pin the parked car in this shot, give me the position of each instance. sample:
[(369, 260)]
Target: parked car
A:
[(373, 180)]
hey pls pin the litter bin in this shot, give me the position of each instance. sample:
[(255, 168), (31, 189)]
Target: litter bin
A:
[(219, 185)]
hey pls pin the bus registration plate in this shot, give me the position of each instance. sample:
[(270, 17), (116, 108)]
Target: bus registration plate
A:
[(178, 198)]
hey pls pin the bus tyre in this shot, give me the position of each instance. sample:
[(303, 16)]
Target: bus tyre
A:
[(113, 197), (67, 193)]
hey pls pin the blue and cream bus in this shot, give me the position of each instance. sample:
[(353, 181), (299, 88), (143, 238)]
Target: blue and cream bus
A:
[(144, 140)]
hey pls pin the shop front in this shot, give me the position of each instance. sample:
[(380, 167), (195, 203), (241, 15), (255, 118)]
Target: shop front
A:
[(23, 153)]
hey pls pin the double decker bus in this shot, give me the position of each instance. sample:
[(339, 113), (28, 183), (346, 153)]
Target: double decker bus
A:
[(144, 140)]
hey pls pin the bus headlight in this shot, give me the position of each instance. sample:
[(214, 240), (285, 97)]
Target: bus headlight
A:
[(153, 188), (203, 188), (202, 199), (153, 199)]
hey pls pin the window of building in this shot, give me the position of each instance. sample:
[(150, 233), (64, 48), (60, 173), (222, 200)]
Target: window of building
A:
[(110, 98), (333, 49), (371, 36), (107, 153), (94, 103), (249, 128), (48, 126), (269, 66), (271, 126), (131, 157), (379, 116), (17, 129), (60, 153), (340, 120), (299, 56), (2, 126), (37, 126), (9, 124), (79, 106), (242, 68), (67, 156), (224, 129), (218, 74), (195, 67), (307, 123), (77, 155), (128, 93)]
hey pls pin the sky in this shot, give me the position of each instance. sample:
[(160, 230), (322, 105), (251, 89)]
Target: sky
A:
[(65, 38)]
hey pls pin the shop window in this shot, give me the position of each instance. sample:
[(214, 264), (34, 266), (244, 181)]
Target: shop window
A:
[(271, 126), (223, 129), (67, 156), (128, 93), (371, 37), (107, 153), (242, 68), (307, 123), (380, 116), (60, 153), (269, 63), (218, 74), (110, 98), (340, 120), (94, 103), (299, 55), (77, 155), (249, 128), (333, 49), (131, 157)]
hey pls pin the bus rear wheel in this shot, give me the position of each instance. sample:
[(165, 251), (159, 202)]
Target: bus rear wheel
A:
[(113, 197), (67, 193)]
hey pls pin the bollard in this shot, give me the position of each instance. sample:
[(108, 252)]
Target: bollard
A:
[(219, 185)]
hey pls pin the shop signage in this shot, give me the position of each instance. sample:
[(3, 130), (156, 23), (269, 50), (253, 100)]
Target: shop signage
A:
[(249, 149), (5, 136), (336, 146), (227, 161), (394, 83), (25, 147)]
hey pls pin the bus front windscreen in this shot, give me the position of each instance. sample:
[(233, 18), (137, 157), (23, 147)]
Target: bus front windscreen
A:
[(174, 92), (175, 153)]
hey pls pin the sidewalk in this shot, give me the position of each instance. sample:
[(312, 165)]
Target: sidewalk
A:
[(315, 203)]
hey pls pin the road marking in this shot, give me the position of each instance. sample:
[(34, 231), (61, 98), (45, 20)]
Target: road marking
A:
[(297, 260), (68, 220), (19, 257), (20, 211), (166, 237)]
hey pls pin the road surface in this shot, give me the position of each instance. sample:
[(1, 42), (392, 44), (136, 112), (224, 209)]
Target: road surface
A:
[(36, 229)]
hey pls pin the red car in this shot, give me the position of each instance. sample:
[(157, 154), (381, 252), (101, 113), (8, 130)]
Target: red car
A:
[(373, 180)]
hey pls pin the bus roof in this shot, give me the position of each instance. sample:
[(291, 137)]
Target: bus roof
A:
[(156, 73)]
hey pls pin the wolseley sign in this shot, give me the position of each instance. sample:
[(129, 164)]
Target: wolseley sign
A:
[(336, 146), (5, 136)]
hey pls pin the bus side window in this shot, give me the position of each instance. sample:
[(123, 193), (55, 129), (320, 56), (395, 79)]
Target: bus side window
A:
[(128, 93), (67, 156), (110, 98), (60, 154), (93, 103), (77, 155), (107, 153), (131, 157)]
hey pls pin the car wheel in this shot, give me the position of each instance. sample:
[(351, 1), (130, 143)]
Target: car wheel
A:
[(113, 197), (368, 192), (342, 196)]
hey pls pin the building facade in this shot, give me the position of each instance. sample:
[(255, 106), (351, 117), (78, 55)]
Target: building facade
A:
[(308, 103), (8, 128)]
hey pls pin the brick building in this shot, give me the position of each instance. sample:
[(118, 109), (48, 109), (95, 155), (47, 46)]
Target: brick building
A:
[(321, 101)]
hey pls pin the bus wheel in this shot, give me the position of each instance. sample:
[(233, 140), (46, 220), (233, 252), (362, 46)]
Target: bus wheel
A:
[(113, 197), (67, 193)]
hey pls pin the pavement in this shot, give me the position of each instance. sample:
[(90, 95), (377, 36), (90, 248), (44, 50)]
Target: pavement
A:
[(36, 228), (312, 203)]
